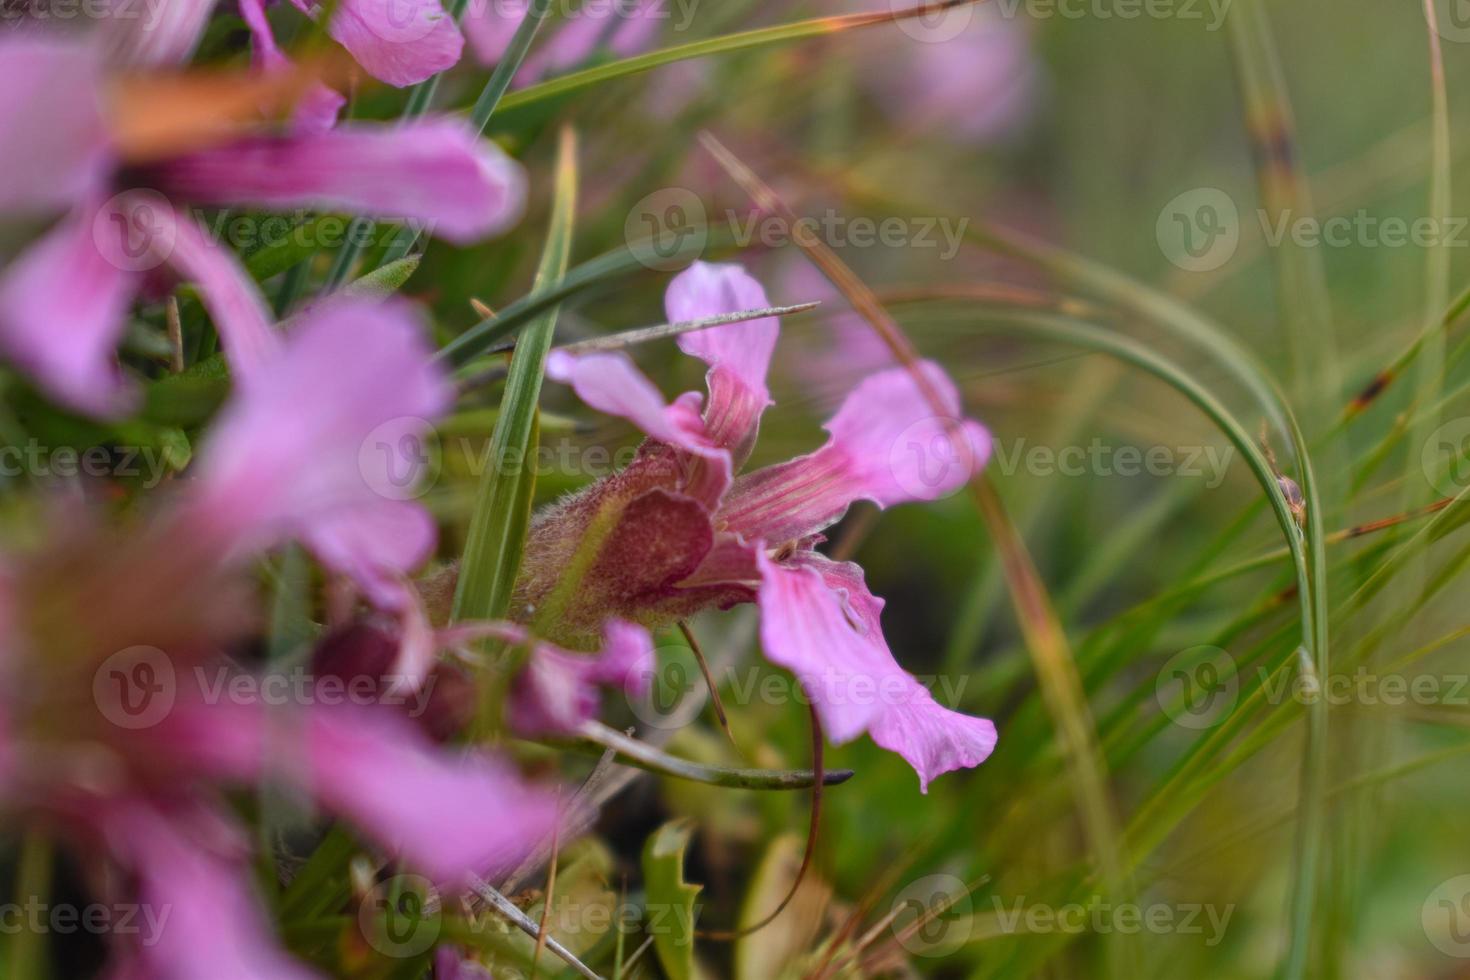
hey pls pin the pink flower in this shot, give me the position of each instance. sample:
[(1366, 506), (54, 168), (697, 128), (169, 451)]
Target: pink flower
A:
[(322, 443), (62, 302), (675, 532), (978, 82), (158, 817), (557, 689), (127, 748), (191, 875), (401, 42)]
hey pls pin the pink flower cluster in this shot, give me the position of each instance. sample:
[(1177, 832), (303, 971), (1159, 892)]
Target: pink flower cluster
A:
[(681, 530)]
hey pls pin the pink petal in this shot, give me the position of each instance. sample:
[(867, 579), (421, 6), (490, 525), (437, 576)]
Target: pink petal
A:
[(886, 445), (56, 146), (611, 383), (326, 444), (197, 917), (62, 309), (240, 315), (556, 691), (401, 42), (373, 543), (319, 107), (438, 172), (447, 816), (739, 354), (819, 621)]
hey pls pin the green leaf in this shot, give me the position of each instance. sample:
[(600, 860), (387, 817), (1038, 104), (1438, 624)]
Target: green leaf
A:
[(385, 280), (671, 898)]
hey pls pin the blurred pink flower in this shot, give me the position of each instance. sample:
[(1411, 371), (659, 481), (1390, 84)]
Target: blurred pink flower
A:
[(62, 302), (401, 42), (676, 532), (129, 756), (980, 85), (312, 447), (159, 816), (623, 27)]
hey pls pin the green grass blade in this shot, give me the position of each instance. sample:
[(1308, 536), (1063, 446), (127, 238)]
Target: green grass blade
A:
[(724, 44), (497, 533)]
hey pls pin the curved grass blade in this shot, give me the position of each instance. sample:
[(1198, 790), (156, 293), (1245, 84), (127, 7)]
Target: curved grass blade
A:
[(745, 40)]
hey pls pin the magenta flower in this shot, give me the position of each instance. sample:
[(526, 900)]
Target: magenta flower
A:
[(401, 42), (62, 302), (674, 533)]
